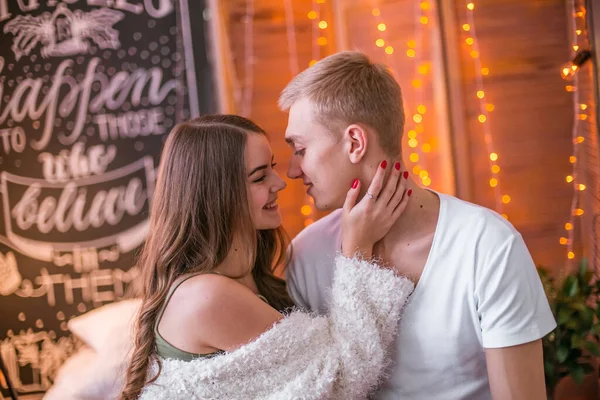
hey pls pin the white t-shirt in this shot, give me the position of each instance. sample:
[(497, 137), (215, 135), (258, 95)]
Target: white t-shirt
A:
[(479, 289)]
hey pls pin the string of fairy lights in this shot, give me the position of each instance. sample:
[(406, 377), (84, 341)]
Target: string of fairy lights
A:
[(569, 72), (415, 54), (319, 40), (485, 107)]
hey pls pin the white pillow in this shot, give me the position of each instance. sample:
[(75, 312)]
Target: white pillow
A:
[(71, 375), (109, 327), (98, 372)]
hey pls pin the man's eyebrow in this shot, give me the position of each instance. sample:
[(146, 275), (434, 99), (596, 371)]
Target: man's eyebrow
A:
[(291, 139)]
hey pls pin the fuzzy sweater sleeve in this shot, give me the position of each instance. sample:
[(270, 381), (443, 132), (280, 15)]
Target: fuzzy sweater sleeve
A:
[(364, 314), (303, 356)]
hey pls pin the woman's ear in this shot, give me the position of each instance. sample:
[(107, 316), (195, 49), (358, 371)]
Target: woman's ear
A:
[(356, 142)]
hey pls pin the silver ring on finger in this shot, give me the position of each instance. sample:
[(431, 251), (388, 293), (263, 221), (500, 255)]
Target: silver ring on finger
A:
[(371, 196)]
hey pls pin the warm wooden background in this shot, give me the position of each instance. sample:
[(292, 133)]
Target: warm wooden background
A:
[(523, 43)]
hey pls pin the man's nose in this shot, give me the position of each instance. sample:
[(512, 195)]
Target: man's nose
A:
[(294, 171)]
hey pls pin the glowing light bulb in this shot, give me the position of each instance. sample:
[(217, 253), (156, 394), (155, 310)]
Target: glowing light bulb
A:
[(426, 148), (389, 50), (375, 12), (381, 27), (466, 27), (495, 169), (485, 71), (469, 41), (568, 226), (569, 178), (312, 14), (493, 182), (306, 209), (414, 157), (564, 240), (571, 255), (380, 42), (322, 41), (421, 109), (482, 118), (471, 6), (410, 53), (493, 156), (417, 118), (506, 199), (323, 24), (480, 94)]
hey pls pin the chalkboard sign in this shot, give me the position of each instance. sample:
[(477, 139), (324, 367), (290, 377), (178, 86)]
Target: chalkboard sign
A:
[(88, 91)]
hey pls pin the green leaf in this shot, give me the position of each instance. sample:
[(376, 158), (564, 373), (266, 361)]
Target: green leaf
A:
[(576, 342), (592, 348), (583, 267), (572, 324), (587, 368), (562, 353), (571, 286), (578, 373), (587, 317), (575, 305), (564, 314)]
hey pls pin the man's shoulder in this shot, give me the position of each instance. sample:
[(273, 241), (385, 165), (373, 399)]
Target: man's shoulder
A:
[(476, 222), (322, 234)]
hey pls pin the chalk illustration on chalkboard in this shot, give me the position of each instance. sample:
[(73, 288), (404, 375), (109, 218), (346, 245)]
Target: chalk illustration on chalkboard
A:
[(38, 350), (10, 278), (64, 32)]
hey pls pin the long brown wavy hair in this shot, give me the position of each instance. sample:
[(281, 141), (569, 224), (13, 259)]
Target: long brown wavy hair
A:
[(199, 205)]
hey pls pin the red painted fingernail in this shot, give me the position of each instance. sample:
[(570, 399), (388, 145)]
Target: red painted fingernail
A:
[(405, 174), (409, 192), (397, 166), (383, 164), (355, 184)]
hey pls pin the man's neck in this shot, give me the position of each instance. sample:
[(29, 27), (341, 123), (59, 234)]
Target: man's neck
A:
[(418, 219)]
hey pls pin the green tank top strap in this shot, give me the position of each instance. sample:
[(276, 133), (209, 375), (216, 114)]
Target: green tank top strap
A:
[(163, 347), (166, 349)]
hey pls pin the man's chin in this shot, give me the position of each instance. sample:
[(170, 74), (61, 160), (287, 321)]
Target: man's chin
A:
[(324, 205)]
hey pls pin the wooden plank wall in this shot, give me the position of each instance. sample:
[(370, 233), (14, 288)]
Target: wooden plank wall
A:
[(523, 43), (272, 72)]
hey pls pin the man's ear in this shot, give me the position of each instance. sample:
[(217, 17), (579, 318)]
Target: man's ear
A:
[(356, 142)]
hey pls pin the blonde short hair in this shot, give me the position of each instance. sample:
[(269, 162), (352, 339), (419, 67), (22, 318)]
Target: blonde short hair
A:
[(347, 88)]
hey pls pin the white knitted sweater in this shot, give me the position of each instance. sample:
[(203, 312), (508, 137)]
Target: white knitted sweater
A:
[(339, 356)]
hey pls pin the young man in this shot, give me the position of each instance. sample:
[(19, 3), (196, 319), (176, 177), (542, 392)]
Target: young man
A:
[(474, 324)]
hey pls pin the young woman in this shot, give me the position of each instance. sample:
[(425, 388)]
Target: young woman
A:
[(215, 321)]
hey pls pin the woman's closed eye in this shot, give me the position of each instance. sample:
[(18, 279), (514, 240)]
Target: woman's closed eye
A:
[(262, 178), (299, 152)]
